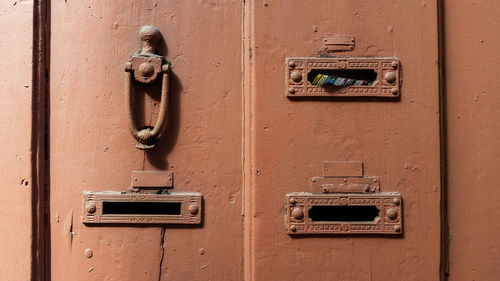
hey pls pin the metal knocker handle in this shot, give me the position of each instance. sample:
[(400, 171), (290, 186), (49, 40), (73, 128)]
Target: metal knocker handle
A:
[(145, 66)]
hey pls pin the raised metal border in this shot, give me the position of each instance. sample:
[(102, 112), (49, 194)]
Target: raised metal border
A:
[(298, 204), (191, 208), (301, 87)]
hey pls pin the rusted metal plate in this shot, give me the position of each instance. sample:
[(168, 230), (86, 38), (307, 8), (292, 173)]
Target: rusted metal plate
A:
[(308, 213), (152, 179), (338, 43), (116, 207), (342, 169), (345, 185), (344, 77)]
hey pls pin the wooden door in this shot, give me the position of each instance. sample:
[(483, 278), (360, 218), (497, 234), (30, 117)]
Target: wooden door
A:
[(472, 101), (397, 140), (91, 148), (233, 134)]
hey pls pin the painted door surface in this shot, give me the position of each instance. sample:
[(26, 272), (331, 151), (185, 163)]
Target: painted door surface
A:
[(16, 185), (396, 140), (91, 148), (473, 146), (232, 135)]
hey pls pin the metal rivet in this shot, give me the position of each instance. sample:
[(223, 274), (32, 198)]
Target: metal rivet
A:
[(344, 201), (297, 213), (88, 253), (293, 228), (193, 209), (145, 69), (390, 77), (343, 64), (394, 91), (392, 213), (91, 207), (324, 189), (345, 180), (291, 91), (201, 251), (291, 64), (396, 201), (394, 64), (296, 76), (397, 228), (293, 201)]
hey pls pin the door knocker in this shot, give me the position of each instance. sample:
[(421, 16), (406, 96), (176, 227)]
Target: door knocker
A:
[(144, 67)]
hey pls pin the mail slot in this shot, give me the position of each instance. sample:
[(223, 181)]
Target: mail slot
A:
[(129, 208), (309, 213), (342, 77)]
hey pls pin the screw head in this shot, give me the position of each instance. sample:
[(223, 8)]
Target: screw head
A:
[(291, 64), (293, 228), (343, 64), (391, 214), (193, 209), (394, 64), (324, 189), (394, 91), (397, 228), (91, 207), (297, 213), (293, 201), (390, 77), (291, 91), (296, 76)]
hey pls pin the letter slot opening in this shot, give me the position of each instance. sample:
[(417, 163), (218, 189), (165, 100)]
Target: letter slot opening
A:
[(141, 208), (343, 213), (342, 77)]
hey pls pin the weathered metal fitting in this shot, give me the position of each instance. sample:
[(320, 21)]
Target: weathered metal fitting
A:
[(342, 77), (145, 67), (143, 208), (343, 214)]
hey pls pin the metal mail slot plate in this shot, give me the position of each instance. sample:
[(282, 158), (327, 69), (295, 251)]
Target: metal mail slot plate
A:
[(129, 208), (384, 79), (308, 213)]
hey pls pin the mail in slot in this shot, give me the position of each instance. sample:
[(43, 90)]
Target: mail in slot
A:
[(309, 213)]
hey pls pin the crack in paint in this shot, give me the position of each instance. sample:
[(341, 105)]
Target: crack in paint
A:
[(162, 247)]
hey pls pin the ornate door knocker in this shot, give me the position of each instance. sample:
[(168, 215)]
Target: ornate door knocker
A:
[(144, 67)]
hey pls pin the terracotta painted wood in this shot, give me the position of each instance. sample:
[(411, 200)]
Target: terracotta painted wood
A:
[(396, 140), (16, 27), (471, 64), (91, 148)]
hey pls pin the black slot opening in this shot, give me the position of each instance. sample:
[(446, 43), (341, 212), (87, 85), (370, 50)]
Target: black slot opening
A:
[(343, 213), (141, 208), (357, 74)]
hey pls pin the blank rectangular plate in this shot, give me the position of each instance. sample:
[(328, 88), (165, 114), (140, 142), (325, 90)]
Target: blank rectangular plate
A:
[(139, 208), (308, 213)]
